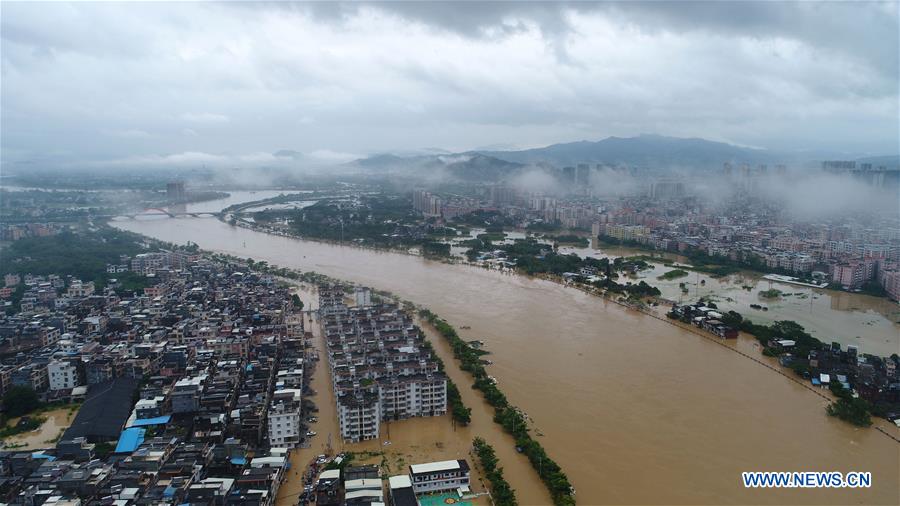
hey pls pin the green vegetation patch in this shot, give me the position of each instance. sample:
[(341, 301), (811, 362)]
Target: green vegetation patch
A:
[(501, 493), (673, 274), (771, 293)]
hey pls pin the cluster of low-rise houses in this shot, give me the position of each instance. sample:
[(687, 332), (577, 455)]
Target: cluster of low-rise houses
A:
[(52, 292), (870, 377), (873, 378), (847, 256), (363, 485), (705, 317), (21, 231), (193, 392)]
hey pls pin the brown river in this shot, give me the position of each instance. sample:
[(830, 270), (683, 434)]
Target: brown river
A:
[(635, 410)]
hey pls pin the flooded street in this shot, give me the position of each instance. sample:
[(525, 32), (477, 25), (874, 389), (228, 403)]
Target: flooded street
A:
[(413, 441), (57, 421), (635, 410), (870, 323)]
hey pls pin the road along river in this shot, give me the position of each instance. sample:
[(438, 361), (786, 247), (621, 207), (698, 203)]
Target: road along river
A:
[(635, 410)]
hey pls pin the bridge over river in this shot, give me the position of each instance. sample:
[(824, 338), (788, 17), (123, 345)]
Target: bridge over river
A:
[(159, 211)]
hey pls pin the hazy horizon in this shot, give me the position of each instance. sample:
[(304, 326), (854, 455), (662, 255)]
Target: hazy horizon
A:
[(229, 84)]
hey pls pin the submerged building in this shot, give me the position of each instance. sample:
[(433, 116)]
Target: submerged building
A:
[(380, 367)]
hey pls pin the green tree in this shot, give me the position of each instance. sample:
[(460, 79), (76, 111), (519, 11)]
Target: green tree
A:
[(853, 410), (20, 401)]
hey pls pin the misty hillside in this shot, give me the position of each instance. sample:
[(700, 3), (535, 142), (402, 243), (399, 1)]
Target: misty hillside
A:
[(644, 151), (464, 166), (477, 166), (650, 152), (654, 152)]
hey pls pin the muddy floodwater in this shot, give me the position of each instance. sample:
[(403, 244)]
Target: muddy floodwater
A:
[(870, 323), (405, 442), (635, 410), (57, 421)]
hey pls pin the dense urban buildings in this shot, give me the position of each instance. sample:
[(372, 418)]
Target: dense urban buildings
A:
[(737, 215), (381, 369), (194, 386), (175, 192)]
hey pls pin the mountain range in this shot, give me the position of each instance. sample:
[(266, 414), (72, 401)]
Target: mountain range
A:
[(650, 153)]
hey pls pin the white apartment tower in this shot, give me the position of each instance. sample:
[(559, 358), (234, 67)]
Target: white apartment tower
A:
[(63, 375), (284, 419)]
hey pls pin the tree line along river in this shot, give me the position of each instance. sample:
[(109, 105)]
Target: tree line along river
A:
[(635, 410)]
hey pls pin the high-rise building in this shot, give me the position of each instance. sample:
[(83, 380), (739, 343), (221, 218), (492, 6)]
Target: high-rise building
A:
[(666, 188), (838, 166), (363, 296), (380, 368), (501, 194), (284, 418), (582, 174), (426, 203), (175, 191)]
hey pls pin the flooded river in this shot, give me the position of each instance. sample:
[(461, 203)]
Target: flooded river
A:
[(637, 411)]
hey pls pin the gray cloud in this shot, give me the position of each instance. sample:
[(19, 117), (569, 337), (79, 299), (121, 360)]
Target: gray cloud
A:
[(107, 83)]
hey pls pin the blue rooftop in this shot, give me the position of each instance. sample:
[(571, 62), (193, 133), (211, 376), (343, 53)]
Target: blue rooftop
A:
[(130, 439), (159, 420), (238, 461)]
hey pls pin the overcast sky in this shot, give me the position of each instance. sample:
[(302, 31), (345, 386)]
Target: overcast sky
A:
[(187, 83)]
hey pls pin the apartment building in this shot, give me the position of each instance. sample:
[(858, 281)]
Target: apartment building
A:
[(359, 414), (285, 430), (33, 376), (331, 300), (186, 394), (63, 374), (441, 476), (853, 275), (79, 288), (380, 369)]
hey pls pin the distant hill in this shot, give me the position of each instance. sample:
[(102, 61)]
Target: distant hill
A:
[(890, 161), (644, 151), (477, 166), (653, 153), (462, 166), (288, 153)]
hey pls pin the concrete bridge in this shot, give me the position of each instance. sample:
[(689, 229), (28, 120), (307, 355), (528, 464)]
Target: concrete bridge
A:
[(121, 216), (158, 211)]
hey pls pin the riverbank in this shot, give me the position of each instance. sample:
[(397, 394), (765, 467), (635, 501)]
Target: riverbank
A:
[(629, 301), (617, 396), (411, 441), (879, 331), (238, 222), (767, 362), (886, 427), (732, 267)]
